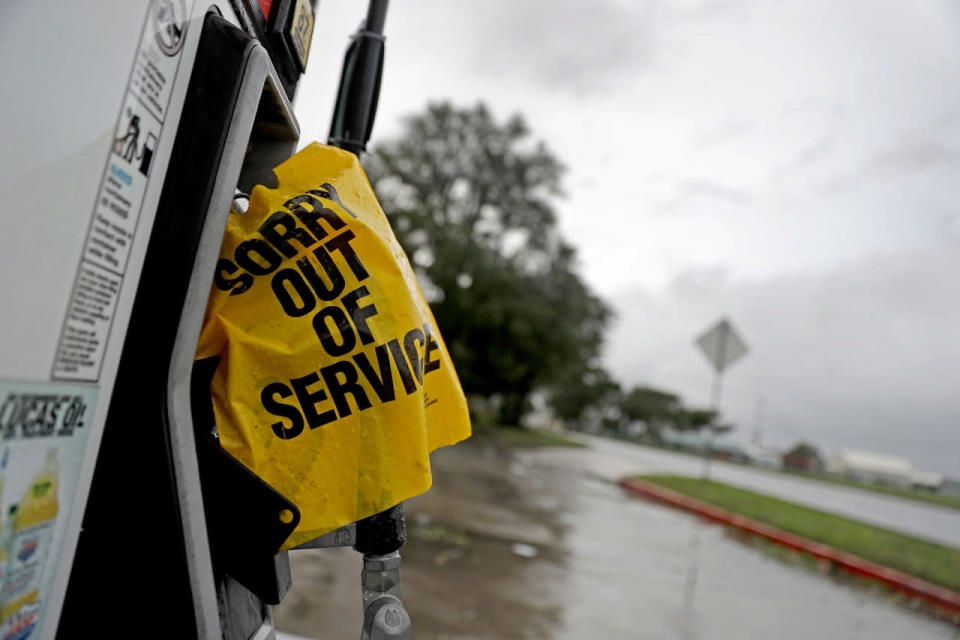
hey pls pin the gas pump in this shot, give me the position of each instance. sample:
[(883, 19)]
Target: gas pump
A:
[(117, 183)]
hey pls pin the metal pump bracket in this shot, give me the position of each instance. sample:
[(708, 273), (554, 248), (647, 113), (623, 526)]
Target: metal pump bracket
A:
[(247, 520)]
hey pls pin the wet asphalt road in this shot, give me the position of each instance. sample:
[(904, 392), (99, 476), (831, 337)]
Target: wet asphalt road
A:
[(603, 565), (613, 459)]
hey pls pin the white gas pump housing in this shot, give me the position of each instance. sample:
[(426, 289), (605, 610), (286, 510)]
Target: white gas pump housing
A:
[(128, 127)]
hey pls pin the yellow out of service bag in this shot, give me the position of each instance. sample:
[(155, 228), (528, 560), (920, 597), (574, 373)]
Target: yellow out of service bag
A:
[(334, 384)]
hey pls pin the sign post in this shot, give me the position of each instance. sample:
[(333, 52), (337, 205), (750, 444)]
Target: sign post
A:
[(722, 346)]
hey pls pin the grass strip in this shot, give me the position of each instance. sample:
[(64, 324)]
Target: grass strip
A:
[(517, 436), (928, 560), (525, 437)]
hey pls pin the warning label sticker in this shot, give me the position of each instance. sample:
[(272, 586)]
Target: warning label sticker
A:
[(106, 250)]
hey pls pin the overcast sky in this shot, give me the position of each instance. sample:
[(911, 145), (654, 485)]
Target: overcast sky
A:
[(791, 164)]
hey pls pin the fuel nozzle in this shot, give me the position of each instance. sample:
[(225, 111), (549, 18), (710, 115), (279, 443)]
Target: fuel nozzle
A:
[(384, 615), (379, 539)]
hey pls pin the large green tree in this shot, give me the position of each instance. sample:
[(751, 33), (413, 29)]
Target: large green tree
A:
[(471, 200), (580, 389), (657, 410)]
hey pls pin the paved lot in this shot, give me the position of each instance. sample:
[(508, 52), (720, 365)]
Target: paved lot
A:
[(605, 566)]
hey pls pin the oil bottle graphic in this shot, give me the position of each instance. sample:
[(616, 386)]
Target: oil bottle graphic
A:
[(30, 539)]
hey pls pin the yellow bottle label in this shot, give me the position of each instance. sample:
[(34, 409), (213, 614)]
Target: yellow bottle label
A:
[(40, 502)]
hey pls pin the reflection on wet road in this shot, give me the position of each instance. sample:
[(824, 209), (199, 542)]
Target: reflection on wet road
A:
[(533, 544)]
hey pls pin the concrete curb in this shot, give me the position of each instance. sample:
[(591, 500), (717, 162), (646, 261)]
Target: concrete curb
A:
[(942, 598)]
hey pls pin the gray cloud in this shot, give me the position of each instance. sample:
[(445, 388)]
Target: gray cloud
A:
[(920, 154), (922, 147), (572, 47), (725, 131), (814, 106), (712, 190), (810, 155), (692, 190), (907, 156)]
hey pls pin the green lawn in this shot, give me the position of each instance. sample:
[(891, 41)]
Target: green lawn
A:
[(933, 562), (523, 437)]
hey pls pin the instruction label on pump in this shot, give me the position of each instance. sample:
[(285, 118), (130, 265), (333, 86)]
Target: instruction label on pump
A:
[(103, 262), (334, 384)]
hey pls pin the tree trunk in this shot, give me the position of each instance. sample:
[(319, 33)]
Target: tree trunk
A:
[(513, 407)]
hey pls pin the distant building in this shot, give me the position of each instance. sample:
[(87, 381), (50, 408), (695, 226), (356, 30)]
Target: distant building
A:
[(927, 480), (803, 457), (883, 468)]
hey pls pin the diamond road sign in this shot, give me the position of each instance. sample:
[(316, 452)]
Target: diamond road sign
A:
[(722, 345)]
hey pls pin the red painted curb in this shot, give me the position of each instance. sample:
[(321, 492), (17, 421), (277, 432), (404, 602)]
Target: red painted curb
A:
[(941, 597)]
